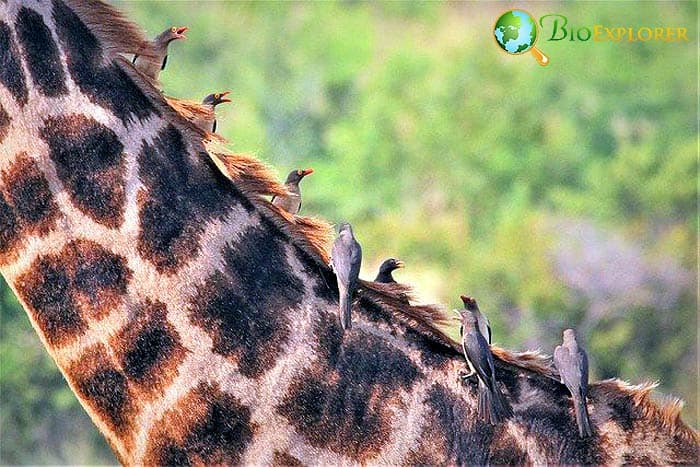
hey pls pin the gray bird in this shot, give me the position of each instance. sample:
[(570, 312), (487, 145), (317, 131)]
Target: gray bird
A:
[(483, 322), (572, 363), (492, 406), (388, 266), (151, 66), (292, 202), (207, 121), (346, 258)]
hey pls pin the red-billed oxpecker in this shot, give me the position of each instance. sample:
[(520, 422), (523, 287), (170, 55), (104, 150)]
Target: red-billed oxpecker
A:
[(151, 66), (481, 319), (572, 363), (346, 258), (492, 406), (388, 266), (292, 201), (207, 121)]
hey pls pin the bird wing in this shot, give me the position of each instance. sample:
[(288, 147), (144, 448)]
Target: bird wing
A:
[(477, 352), (583, 366), (347, 257), (165, 60), (484, 327), (569, 367), (134, 59)]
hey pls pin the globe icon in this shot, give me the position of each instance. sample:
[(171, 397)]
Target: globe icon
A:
[(516, 33)]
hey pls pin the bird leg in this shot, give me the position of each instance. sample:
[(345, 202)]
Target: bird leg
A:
[(465, 375)]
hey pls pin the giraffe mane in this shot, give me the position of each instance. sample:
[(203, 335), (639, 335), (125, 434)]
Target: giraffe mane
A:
[(116, 33), (666, 410)]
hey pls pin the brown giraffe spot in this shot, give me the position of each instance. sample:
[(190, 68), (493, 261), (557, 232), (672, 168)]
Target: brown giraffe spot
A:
[(245, 308), (206, 427), (41, 53), (27, 207), (9, 230), (181, 194), (106, 85), (286, 459), (432, 354), (623, 412), (11, 74), (452, 433), (4, 122), (149, 349), (346, 407), (548, 409), (330, 337), (89, 162), (104, 387), (65, 291)]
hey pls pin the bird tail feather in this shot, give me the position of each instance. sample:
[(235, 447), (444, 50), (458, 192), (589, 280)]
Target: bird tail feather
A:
[(582, 420), (492, 405), (344, 307)]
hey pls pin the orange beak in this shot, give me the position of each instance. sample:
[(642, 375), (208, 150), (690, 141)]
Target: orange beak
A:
[(225, 99), (180, 32), (306, 172)]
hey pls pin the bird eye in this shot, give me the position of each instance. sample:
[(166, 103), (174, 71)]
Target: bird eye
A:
[(216, 96), (173, 29), (298, 172)]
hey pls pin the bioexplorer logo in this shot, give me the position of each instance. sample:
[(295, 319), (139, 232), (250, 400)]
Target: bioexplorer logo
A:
[(516, 32)]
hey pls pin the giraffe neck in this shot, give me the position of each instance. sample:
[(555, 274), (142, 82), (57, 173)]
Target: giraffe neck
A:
[(187, 316)]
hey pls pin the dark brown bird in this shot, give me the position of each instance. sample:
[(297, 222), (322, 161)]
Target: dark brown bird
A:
[(492, 406), (483, 322), (388, 266), (292, 202), (346, 258), (151, 65), (207, 121), (572, 363)]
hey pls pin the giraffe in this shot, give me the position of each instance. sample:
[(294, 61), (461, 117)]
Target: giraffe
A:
[(196, 322)]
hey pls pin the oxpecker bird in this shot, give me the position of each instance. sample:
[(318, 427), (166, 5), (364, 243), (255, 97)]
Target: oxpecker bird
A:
[(152, 65), (346, 257), (481, 319), (572, 363), (384, 276), (208, 122), (292, 202), (492, 406)]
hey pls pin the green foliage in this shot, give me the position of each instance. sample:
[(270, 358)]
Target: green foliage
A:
[(559, 197)]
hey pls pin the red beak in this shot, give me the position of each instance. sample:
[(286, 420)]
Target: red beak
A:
[(224, 99), (466, 300), (181, 32), (306, 172)]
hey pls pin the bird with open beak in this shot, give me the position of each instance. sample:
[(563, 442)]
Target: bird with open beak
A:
[(492, 406), (572, 363), (291, 202), (387, 267), (207, 121), (151, 65), (481, 319), (346, 258)]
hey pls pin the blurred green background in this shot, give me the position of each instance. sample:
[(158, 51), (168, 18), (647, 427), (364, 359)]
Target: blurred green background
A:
[(559, 197)]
